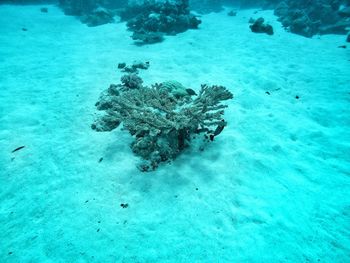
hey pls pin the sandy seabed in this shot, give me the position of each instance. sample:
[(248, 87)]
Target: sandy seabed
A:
[(273, 187)]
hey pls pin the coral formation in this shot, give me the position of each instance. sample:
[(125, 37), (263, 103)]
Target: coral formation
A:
[(308, 18), (151, 20), (97, 17), (134, 67), (85, 7), (162, 118), (318, 17), (132, 81), (78, 7), (92, 12), (259, 26), (232, 13)]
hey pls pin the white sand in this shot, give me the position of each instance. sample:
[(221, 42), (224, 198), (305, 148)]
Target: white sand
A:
[(273, 187)]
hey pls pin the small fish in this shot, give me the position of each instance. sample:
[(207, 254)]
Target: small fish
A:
[(124, 205), (17, 149), (220, 128), (343, 46), (191, 92)]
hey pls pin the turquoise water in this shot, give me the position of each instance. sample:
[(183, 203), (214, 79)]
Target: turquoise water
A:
[(273, 187)]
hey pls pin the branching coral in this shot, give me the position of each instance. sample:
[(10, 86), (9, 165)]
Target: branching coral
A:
[(162, 121)]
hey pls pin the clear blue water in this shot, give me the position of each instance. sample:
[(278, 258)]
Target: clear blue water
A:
[(273, 187)]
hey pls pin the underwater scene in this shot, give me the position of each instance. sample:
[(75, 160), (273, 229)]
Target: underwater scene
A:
[(178, 131)]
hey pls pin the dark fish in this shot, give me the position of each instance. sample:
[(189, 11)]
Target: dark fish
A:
[(220, 128), (191, 92), (121, 65), (343, 46), (17, 149), (124, 205)]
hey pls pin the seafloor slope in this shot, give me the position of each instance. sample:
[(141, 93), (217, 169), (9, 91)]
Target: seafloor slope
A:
[(273, 187)]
